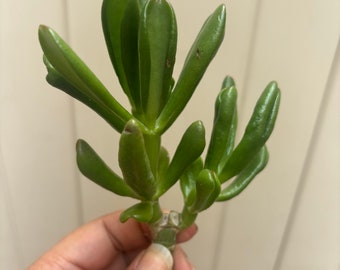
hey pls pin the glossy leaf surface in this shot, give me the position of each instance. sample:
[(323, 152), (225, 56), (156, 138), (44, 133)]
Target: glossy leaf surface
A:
[(94, 168), (188, 150), (157, 52), (143, 212), (246, 176), (224, 128), (208, 188), (134, 161), (258, 130), (75, 73), (200, 55)]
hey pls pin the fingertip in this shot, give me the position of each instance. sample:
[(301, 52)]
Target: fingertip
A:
[(156, 256), (181, 260), (187, 234)]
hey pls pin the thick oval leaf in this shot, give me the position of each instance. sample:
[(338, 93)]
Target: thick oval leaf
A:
[(129, 51), (200, 55), (134, 161), (73, 70), (112, 15), (228, 82), (258, 130), (94, 168), (208, 188), (246, 176), (157, 52), (146, 212), (224, 128), (188, 181), (189, 149)]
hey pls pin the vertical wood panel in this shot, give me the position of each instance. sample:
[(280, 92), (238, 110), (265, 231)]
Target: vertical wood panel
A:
[(311, 239), (294, 45), (10, 249), (36, 132)]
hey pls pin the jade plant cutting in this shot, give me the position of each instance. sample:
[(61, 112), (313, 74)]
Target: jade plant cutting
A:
[(141, 38)]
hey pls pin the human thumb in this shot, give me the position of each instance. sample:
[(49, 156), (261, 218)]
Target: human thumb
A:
[(155, 257)]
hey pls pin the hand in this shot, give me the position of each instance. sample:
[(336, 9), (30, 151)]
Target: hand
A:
[(108, 244)]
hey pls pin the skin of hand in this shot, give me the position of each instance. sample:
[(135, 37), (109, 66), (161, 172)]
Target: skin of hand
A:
[(108, 244)]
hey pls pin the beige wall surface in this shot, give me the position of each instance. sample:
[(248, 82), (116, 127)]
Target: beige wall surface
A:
[(289, 218)]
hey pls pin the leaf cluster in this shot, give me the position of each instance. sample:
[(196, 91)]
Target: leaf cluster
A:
[(141, 38)]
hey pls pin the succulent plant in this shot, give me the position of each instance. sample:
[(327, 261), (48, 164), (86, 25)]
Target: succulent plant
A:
[(141, 38)]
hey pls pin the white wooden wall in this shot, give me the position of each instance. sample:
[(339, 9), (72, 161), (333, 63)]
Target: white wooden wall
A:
[(289, 218)]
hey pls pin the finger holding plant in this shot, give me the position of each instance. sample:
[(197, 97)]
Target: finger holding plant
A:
[(141, 38)]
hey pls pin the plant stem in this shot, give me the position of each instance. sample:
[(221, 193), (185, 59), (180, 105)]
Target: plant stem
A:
[(164, 231), (187, 218), (152, 145)]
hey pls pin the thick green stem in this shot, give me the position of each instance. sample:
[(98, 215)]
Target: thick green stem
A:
[(187, 218), (153, 145)]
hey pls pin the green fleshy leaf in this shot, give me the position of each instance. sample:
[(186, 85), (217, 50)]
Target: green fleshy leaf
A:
[(94, 168), (189, 149), (77, 79), (157, 52), (208, 188), (147, 212), (134, 161), (258, 130), (246, 176), (200, 55), (224, 128)]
